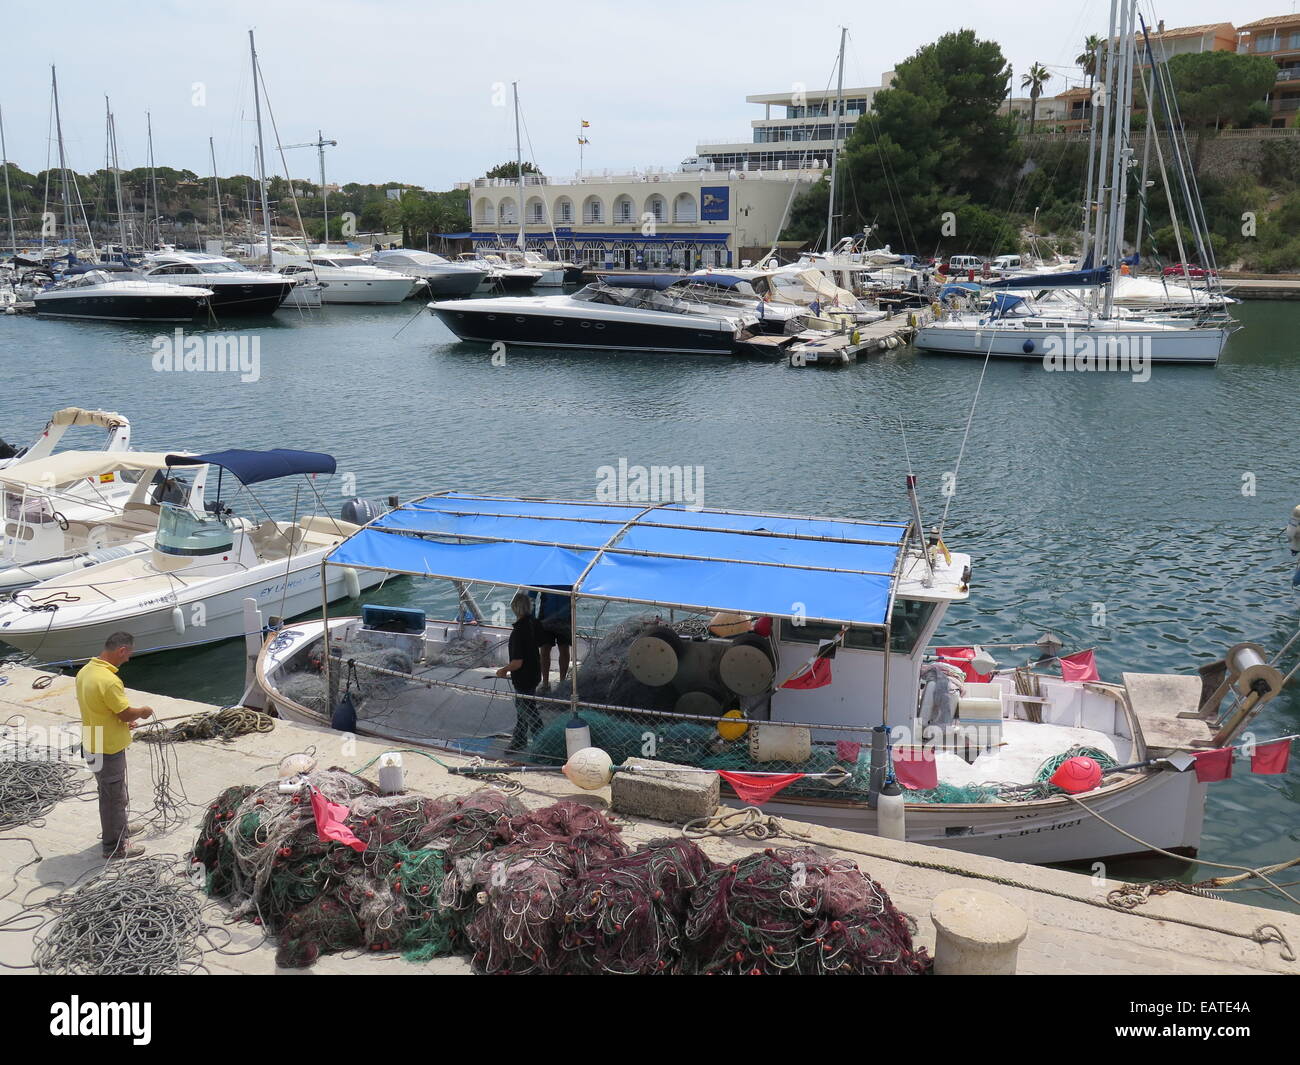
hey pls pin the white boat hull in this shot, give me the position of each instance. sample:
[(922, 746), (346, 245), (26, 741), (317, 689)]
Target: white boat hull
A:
[(209, 614), (1197, 346)]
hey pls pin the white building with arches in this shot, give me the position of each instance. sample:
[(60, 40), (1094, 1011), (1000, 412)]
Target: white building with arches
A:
[(653, 219)]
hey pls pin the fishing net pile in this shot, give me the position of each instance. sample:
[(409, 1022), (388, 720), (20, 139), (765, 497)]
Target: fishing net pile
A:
[(371, 692), (553, 890)]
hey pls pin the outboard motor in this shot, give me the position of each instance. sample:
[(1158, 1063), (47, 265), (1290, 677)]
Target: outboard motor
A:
[(8, 451), (362, 511)]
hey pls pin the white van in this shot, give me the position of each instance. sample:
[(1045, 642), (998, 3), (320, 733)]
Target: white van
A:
[(960, 264), (694, 164)]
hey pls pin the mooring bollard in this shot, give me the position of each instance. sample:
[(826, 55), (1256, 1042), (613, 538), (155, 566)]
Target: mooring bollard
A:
[(976, 933)]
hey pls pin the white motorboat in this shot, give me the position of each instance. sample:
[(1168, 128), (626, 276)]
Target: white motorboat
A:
[(118, 437), (440, 276), (236, 290), (670, 662), (345, 278), (188, 588), (69, 511), (97, 294), (501, 276), (625, 314)]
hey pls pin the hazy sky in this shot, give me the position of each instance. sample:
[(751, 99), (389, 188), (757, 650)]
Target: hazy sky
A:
[(418, 90)]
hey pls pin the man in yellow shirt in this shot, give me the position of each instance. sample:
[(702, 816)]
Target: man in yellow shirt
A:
[(107, 718)]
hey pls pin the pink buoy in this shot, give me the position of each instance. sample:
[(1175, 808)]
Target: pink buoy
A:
[(1077, 774)]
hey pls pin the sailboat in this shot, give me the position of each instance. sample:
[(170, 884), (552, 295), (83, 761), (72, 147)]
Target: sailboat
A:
[(1090, 328)]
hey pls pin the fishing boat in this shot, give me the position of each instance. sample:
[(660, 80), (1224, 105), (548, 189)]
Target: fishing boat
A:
[(748, 641), (627, 313), (236, 290), (188, 588)]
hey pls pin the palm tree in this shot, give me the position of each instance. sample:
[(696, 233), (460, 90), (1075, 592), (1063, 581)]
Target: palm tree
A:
[(1088, 60), (1034, 81)]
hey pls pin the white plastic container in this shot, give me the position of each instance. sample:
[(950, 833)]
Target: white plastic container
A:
[(392, 778)]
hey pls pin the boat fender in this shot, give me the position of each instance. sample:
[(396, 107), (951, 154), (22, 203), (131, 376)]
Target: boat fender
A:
[(1028, 347), (577, 735), (891, 813), (178, 620), (344, 718), (351, 582)]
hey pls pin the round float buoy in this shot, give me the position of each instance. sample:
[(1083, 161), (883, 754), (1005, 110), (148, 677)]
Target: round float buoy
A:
[(703, 703), (1077, 774), (653, 656), (732, 725), (589, 768), (1028, 347), (746, 666)]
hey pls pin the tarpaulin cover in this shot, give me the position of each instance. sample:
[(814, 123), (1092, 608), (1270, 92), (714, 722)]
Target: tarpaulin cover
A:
[(821, 569)]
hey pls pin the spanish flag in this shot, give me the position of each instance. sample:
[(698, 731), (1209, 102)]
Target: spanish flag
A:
[(585, 123), (583, 140)]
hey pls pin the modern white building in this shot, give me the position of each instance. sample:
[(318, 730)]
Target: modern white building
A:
[(643, 220), (803, 136)]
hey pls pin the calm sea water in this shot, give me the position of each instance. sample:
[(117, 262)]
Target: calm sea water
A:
[(1141, 518)]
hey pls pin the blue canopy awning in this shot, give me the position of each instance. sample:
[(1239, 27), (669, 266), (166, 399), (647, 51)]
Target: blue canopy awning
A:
[(821, 569), (254, 466)]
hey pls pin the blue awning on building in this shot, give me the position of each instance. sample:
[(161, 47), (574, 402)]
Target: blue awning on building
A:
[(821, 569)]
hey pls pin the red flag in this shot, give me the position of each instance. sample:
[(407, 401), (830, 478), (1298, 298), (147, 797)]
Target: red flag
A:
[(847, 750), (757, 788), (960, 657), (1080, 666), (817, 672), (329, 822), (914, 769), (1271, 757), (1213, 765)]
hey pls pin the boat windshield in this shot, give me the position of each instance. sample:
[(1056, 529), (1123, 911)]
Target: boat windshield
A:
[(182, 532)]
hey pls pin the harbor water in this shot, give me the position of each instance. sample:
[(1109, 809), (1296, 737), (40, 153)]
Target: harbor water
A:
[(1142, 518)]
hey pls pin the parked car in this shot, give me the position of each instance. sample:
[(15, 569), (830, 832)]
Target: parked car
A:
[(1188, 270)]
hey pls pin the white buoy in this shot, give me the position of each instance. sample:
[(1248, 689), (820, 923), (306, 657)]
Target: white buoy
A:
[(577, 735), (891, 813), (351, 582), (590, 768), (178, 620), (391, 776)]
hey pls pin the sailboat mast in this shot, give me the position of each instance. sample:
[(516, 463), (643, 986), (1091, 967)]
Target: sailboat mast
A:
[(1120, 150), (117, 175), (9, 203), (153, 185), (63, 163), (324, 196), (835, 147), (521, 240), (261, 148), (216, 188)]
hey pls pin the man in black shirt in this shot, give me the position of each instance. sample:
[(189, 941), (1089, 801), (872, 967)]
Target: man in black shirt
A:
[(524, 671)]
